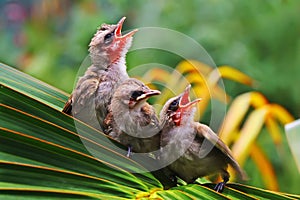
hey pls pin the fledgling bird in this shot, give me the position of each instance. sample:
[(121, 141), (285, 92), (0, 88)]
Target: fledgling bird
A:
[(192, 148), (92, 94), (131, 120)]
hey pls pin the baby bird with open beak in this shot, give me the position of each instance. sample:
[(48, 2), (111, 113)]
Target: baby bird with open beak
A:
[(192, 148), (131, 120), (93, 92)]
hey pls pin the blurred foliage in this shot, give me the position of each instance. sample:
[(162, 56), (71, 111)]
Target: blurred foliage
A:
[(260, 38), (48, 39)]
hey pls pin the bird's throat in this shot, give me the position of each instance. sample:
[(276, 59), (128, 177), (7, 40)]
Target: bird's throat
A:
[(118, 68), (177, 118)]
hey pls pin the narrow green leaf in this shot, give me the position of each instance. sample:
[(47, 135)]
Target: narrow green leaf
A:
[(173, 194), (259, 193), (26, 194), (32, 87), (232, 193), (58, 179), (200, 192)]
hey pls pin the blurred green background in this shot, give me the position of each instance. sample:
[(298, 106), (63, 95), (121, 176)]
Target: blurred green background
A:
[(49, 40)]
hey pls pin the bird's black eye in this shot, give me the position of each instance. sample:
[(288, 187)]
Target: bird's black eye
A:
[(174, 105), (108, 37), (136, 94)]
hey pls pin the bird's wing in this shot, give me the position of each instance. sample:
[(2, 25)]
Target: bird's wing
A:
[(150, 116), (108, 123), (82, 95), (207, 133), (68, 106)]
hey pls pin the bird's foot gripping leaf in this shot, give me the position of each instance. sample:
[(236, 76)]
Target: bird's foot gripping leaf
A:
[(220, 187), (129, 151)]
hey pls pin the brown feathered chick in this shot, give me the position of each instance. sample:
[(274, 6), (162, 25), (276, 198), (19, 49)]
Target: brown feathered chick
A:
[(131, 120), (92, 94), (192, 148)]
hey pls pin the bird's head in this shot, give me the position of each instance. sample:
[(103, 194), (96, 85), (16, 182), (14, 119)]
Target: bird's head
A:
[(108, 44), (132, 93), (179, 110)]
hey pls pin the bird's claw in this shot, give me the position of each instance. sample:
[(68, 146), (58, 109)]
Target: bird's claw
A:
[(173, 178), (220, 187), (129, 151)]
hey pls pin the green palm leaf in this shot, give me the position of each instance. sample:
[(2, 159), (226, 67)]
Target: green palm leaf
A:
[(32, 87), (42, 154)]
